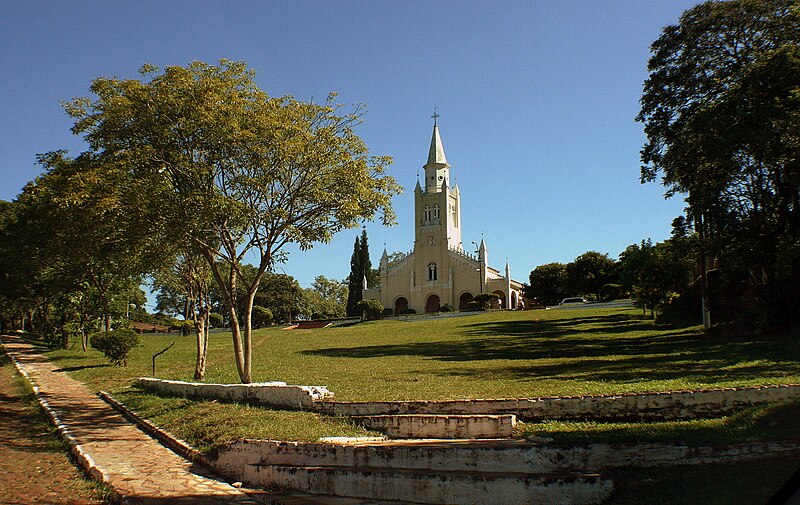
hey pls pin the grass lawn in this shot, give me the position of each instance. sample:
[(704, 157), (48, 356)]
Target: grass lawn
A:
[(489, 355)]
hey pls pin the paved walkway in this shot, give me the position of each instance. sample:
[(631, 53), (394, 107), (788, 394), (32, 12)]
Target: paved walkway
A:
[(141, 470)]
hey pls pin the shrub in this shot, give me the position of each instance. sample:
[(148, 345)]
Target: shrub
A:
[(115, 345), (262, 316), (446, 308), (388, 311), (473, 305), (315, 316), (611, 291), (216, 320), (370, 309), (487, 300), (407, 312)]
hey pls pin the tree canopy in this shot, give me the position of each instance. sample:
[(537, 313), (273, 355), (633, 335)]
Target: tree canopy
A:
[(201, 157), (721, 110)]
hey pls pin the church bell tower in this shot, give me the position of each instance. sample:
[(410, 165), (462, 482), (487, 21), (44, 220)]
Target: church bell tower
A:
[(437, 214)]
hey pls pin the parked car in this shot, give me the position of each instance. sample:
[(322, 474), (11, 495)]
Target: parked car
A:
[(574, 299)]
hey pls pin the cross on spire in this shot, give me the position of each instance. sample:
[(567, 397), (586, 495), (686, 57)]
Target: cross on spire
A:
[(435, 115)]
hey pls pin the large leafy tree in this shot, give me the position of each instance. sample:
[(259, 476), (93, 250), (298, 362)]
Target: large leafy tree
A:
[(589, 272), (547, 283), (721, 110), (326, 298), (248, 173)]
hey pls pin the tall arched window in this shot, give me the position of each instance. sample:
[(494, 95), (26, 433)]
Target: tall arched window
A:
[(436, 213), (432, 271), (426, 215)]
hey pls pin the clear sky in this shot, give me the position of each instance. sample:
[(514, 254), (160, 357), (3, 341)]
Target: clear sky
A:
[(537, 101)]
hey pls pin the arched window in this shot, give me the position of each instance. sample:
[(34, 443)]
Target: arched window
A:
[(436, 213), (432, 271), (426, 215)]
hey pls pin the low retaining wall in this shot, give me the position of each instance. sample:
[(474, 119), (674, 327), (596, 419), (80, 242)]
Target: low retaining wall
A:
[(670, 405), (241, 459), (441, 426), (269, 393)]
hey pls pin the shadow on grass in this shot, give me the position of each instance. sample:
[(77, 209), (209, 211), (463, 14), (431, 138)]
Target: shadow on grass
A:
[(84, 367), (618, 348)]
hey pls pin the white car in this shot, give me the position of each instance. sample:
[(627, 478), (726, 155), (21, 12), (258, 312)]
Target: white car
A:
[(574, 299)]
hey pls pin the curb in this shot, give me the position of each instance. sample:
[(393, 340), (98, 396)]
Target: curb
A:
[(178, 446)]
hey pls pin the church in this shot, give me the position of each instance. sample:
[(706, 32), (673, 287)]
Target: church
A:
[(438, 271)]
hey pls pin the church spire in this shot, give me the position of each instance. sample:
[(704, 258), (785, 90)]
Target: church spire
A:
[(436, 152)]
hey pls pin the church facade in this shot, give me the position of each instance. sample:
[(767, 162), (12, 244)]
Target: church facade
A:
[(438, 271)]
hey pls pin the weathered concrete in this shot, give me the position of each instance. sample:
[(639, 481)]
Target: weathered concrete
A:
[(668, 405), (438, 487), (239, 459), (441, 426), (269, 393)]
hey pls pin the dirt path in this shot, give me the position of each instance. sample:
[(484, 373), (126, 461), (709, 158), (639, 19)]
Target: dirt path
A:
[(34, 466)]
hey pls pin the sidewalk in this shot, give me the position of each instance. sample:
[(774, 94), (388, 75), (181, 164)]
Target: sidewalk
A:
[(140, 470)]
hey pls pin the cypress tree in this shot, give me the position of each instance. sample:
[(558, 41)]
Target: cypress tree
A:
[(354, 281)]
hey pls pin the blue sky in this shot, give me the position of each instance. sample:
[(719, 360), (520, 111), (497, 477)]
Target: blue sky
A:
[(537, 102)]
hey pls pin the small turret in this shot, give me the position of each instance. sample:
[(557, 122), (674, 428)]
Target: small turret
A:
[(384, 260)]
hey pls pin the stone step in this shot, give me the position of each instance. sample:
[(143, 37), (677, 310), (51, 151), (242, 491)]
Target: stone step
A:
[(515, 456), (436, 487), (288, 497), (441, 426)]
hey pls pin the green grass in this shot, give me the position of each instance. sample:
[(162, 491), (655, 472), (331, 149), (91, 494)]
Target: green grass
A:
[(775, 421), (206, 424), (489, 355)]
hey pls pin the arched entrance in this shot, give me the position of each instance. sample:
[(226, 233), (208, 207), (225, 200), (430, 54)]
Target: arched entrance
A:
[(463, 300), (432, 305), (514, 300), (400, 305), (502, 301)]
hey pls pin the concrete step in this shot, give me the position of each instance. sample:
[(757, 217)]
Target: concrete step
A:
[(513, 456), (436, 487), (441, 426), (299, 498)]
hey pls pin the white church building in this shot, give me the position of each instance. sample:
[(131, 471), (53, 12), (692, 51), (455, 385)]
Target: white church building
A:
[(439, 271)]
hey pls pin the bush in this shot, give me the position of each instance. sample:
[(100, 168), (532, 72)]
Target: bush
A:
[(473, 305), (408, 312), (388, 311), (370, 309), (115, 345), (446, 308), (216, 320), (487, 300), (261, 317), (611, 291)]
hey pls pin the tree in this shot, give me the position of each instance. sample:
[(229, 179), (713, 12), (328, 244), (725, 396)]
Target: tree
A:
[(589, 272), (360, 268), (547, 283), (326, 298), (189, 276), (246, 173), (721, 110), (370, 310)]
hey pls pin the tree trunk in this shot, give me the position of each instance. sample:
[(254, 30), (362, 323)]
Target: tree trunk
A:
[(228, 289), (201, 327)]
